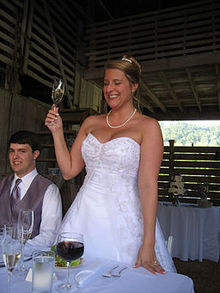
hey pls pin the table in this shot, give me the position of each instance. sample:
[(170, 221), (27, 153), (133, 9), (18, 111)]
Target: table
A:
[(195, 230), (131, 281)]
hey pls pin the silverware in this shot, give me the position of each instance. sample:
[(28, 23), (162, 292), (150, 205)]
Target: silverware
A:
[(109, 273), (118, 274)]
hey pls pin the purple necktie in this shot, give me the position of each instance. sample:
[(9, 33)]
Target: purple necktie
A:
[(15, 195)]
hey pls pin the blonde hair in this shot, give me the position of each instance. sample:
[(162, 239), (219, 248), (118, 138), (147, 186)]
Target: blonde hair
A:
[(129, 65), (132, 70)]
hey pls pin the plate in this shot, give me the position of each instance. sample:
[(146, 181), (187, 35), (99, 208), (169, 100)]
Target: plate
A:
[(76, 266)]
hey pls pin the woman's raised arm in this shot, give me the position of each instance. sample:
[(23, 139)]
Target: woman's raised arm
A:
[(70, 163)]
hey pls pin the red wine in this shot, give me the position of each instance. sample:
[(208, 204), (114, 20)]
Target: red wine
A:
[(70, 250)]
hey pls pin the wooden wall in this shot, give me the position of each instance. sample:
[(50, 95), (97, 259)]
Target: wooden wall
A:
[(198, 166), (43, 39), (17, 113), (90, 96), (178, 31)]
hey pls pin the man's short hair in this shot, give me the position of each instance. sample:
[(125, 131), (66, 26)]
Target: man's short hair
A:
[(26, 137)]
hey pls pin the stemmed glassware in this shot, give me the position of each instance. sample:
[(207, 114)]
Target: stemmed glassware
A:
[(26, 220), (12, 248), (57, 92), (70, 246), (2, 236)]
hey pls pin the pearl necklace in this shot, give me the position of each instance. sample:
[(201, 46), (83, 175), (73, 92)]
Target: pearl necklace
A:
[(123, 124)]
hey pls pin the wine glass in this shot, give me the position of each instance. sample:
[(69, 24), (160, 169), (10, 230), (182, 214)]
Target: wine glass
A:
[(12, 248), (69, 247), (57, 92), (2, 236), (26, 220)]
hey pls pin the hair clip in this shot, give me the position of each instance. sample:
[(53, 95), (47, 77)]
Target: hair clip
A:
[(126, 59)]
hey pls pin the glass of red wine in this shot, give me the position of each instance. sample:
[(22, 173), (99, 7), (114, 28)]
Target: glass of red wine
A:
[(70, 246)]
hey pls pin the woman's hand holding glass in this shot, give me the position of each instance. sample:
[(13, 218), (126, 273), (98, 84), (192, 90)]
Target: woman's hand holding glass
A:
[(53, 120)]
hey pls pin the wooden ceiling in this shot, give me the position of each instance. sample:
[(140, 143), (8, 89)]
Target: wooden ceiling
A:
[(179, 50), (188, 92)]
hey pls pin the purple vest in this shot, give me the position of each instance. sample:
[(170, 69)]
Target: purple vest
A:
[(33, 199)]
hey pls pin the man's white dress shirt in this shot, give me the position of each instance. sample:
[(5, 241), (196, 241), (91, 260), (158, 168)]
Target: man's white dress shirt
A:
[(51, 210)]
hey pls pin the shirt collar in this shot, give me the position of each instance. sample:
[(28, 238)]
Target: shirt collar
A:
[(26, 180)]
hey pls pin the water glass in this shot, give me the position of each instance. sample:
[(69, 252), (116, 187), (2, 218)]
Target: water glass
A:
[(43, 269)]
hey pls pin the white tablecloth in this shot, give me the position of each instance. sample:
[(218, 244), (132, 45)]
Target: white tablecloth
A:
[(131, 280), (195, 231)]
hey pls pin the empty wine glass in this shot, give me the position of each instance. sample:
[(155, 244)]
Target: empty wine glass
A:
[(26, 220), (57, 92), (69, 247), (11, 249)]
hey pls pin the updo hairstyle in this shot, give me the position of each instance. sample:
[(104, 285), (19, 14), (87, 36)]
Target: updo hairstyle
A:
[(129, 65)]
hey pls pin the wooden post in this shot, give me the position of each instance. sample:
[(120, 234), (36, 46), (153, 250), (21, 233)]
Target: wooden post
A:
[(27, 44), (58, 55), (171, 162)]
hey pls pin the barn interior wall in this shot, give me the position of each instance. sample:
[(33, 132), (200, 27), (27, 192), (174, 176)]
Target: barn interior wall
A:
[(18, 113)]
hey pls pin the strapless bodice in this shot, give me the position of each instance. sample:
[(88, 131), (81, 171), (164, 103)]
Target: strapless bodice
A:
[(117, 157)]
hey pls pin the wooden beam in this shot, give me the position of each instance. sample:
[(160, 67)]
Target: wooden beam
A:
[(170, 88), (144, 104), (218, 84), (38, 78), (105, 9), (23, 25), (28, 36), (153, 97), (188, 114), (194, 89), (180, 62), (164, 64), (58, 54)]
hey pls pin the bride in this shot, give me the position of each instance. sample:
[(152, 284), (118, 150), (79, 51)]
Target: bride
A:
[(116, 206)]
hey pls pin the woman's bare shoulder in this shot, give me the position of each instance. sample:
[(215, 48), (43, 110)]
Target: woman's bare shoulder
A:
[(147, 121), (94, 119), (92, 122)]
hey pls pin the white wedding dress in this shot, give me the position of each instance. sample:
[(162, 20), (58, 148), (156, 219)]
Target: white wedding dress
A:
[(107, 208)]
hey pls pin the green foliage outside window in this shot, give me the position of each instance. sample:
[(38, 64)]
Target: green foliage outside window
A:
[(188, 134)]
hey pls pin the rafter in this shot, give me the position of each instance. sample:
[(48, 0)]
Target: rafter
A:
[(218, 84), (145, 104), (59, 58), (26, 51), (170, 88), (194, 89), (153, 97)]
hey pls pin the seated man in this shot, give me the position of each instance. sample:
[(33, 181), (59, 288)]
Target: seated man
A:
[(26, 189)]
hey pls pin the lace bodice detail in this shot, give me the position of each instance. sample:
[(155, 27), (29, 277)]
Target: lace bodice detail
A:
[(113, 168), (107, 209), (118, 156)]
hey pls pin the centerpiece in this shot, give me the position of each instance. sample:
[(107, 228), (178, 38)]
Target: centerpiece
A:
[(176, 189)]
